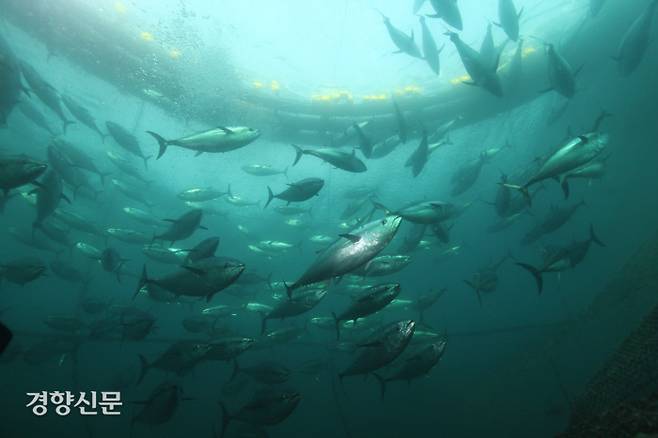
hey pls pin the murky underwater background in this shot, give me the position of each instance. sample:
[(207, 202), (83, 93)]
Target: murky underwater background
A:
[(305, 72)]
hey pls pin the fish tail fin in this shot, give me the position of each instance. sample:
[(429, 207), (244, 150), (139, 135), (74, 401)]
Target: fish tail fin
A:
[(226, 419), (143, 368), (162, 142), (236, 370), (65, 125), (476, 289), (143, 281), (337, 322), (103, 136), (594, 238), (382, 384), (285, 171), (146, 161), (521, 189), (298, 154), (270, 197), (536, 273)]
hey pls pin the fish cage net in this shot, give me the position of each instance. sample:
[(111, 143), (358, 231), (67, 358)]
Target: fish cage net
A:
[(621, 399), (616, 401)]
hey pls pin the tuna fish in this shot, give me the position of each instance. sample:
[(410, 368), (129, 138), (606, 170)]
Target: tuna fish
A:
[(216, 140), (126, 140), (179, 358), (202, 279), (448, 11), (374, 299), (430, 51), (268, 372), (266, 408), (45, 92), (263, 170), (339, 159), (404, 43), (22, 271), (427, 212), (556, 218), (635, 42), (201, 194), (509, 18), (183, 227), (483, 72), (380, 350), (561, 259), (82, 114), (161, 405), (299, 191), (416, 366), (297, 305), (573, 154), (351, 252), (32, 113), (561, 76), (49, 193), (17, 171), (418, 159)]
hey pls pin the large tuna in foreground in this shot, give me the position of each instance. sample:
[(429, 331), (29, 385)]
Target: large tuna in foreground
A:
[(351, 252)]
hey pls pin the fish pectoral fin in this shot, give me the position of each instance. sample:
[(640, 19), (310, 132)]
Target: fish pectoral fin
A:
[(66, 198), (583, 139), (469, 83), (371, 344), (225, 129), (198, 153), (351, 237), (169, 220), (195, 270), (546, 90)]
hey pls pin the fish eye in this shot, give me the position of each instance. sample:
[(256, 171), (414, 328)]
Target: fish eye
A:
[(383, 221)]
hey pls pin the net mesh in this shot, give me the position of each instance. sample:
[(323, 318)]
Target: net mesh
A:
[(612, 403)]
